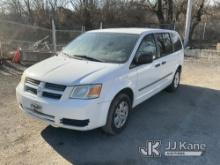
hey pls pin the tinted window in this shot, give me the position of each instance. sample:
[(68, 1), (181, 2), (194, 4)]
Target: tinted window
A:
[(176, 42), (108, 47), (164, 44), (147, 46)]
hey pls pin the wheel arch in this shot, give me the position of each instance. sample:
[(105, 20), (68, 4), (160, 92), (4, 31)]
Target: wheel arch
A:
[(128, 91)]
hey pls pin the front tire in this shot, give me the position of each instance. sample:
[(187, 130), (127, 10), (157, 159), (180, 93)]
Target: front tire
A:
[(118, 114), (175, 83)]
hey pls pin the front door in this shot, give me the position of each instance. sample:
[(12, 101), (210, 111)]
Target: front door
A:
[(147, 74)]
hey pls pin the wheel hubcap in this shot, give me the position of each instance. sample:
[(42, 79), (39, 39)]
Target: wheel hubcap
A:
[(176, 80), (121, 114)]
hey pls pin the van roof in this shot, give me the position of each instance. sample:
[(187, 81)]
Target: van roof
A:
[(130, 30)]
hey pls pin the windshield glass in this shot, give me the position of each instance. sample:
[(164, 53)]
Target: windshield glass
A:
[(103, 47)]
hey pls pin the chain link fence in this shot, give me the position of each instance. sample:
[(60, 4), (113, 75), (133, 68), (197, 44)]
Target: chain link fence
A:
[(33, 38), (65, 36), (206, 35), (14, 35)]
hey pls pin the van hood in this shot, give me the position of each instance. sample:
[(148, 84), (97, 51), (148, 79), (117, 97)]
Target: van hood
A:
[(64, 70)]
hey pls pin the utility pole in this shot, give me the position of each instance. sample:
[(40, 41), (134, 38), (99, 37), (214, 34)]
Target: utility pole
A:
[(188, 22)]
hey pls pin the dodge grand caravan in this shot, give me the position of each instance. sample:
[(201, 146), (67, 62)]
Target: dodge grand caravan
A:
[(98, 78)]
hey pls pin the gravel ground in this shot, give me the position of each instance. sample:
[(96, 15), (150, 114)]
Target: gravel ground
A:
[(191, 114)]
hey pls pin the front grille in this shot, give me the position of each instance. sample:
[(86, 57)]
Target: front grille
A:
[(31, 90), (32, 81), (51, 95), (55, 87), (44, 89)]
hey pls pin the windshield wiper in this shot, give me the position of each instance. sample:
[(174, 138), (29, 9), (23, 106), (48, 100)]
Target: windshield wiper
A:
[(88, 58)]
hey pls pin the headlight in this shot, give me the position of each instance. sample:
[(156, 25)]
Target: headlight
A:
[(86, 91)]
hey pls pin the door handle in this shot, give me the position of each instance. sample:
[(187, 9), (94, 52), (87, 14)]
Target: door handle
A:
[(164, 62), (157, 65)]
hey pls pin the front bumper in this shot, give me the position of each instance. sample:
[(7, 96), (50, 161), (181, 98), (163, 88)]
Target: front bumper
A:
[(70, 113)]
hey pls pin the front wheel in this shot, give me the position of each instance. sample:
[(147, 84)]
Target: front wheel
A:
[(118, 114), (175, 83)]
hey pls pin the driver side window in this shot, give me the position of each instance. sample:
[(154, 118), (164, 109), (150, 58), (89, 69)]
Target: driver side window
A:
[(147, 46)]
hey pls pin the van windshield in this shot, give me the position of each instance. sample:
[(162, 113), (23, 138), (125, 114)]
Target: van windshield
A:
[(102, 47)]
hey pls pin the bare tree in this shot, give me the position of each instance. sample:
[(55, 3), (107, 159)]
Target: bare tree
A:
[(16, 8), (199, 10), (164, 10), (86, 11)]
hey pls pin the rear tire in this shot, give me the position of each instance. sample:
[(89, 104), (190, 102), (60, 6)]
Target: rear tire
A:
[(175, 83), (118, 114)]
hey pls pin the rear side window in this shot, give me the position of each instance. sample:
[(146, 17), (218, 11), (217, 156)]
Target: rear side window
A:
[(176, 42), (164, 44)]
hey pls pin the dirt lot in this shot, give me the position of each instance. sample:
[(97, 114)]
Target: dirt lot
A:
[(191, 114)]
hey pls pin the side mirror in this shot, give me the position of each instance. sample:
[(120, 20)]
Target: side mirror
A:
[(144, 59)]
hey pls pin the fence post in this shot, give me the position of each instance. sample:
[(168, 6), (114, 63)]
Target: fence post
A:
[(204, 30), (83, 29), (1, 54), (54, 36), (100, 25), (174, 26)]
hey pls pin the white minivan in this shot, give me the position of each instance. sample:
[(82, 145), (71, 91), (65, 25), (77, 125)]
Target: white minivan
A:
[(98, 78)]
